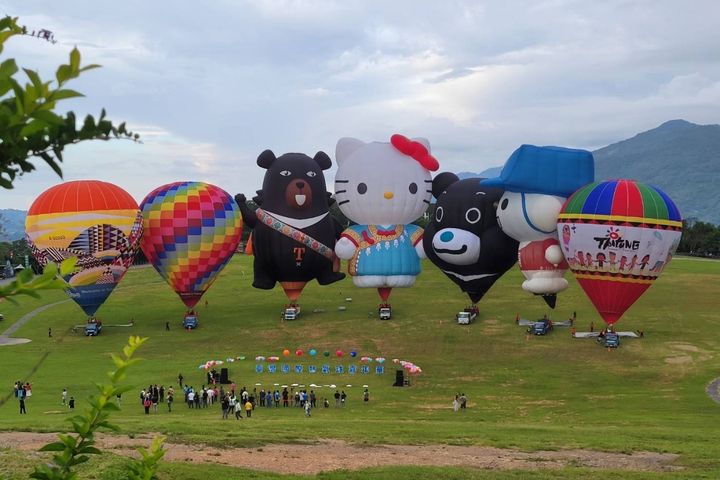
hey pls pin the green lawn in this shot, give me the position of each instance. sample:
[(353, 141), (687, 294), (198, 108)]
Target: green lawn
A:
[(552, 392)]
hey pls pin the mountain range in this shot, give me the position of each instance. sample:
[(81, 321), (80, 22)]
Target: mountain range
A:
[(12, 224), (680, 157)]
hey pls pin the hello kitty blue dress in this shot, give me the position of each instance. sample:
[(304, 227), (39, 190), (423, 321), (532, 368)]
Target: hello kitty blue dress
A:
[(384, 250)]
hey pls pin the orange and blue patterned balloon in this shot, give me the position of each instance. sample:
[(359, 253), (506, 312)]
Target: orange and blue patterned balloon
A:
[(98, 223), (192, 230)]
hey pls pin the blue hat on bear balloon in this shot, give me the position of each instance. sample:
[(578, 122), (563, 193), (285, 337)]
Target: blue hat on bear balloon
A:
[(546, 170)]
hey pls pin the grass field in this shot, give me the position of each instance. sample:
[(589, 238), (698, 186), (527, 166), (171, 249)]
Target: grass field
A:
[(548, 393)]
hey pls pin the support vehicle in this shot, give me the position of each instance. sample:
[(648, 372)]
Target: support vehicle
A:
[(291, 312), (385, 311), (467, 316), (190, 322), (93, 328), (542, 326)]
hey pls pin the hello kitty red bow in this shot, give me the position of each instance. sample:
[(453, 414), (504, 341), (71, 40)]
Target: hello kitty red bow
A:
[(415, 150)]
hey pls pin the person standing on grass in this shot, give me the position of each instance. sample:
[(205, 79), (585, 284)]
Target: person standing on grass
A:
[(71, 403), (167, 326), (463, 402), (180, 379), (366, 395), (22, 406), (170, 397), (238, 409), (118, 398), (343, 396), (307, 407), (337, 398), (64, 397), (456, 403), (49, 332), (147, 403), (190, 398), (225, 405), (248, 409)]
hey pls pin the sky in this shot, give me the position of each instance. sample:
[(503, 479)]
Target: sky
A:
[(210, 85)]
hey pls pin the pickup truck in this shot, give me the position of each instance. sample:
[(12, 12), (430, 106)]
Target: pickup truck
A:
[(190, 321), (541, 327), (467, 316), (611, 340), (93, 329), (291, 313)]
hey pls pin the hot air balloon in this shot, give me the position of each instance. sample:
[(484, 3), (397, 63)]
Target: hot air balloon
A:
[(537, 180), (293, 232), (191, 231), (618, 236), (463, 238), (383, 187), (97, 222)]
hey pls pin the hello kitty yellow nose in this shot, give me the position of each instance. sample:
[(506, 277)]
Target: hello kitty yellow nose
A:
[(388, 195)]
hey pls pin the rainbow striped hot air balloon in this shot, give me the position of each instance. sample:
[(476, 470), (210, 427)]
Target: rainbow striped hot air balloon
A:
[(617, 237), (191, 231), (97, 222)]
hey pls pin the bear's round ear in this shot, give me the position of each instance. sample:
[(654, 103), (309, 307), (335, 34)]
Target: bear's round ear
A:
[(266, 159), (442, 181), (322, 159)]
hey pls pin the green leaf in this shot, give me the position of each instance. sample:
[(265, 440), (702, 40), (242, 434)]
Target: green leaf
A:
[(75, 60), (63, 74), (67, 266), (8, 68), (35, 79), (53, 447), (48, 117), (90, 450), (62, 94), (51, 161), (90, 67)]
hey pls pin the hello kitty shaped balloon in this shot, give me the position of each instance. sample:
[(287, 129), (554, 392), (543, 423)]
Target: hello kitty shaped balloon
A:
[(383, 187), (537, 181)]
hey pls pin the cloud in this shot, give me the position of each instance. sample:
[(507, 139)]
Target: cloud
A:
[(210, 87)]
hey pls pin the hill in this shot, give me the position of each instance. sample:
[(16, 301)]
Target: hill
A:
[(489, 173), (680, 157), (12, 224)]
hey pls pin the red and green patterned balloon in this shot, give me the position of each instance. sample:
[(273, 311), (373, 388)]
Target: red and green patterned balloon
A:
[(618, 237)]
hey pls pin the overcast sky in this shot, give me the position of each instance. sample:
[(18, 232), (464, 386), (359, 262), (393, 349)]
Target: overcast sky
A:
[(209, 85)]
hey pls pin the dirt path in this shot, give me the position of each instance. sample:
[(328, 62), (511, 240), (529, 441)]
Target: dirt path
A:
[(326, 455)]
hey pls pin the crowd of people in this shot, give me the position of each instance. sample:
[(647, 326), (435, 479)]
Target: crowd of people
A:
[(231, 402), (234, 402), (154, 395)]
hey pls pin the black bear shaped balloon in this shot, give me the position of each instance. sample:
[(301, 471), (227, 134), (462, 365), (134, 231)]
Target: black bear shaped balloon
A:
[(293, 232), (463, 238)]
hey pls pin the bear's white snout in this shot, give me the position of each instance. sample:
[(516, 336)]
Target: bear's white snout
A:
[(456, 246)]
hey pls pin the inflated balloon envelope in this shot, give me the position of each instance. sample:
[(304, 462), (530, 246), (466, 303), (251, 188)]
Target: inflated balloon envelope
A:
[(618, 237), (97, 222), (192, 229)]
